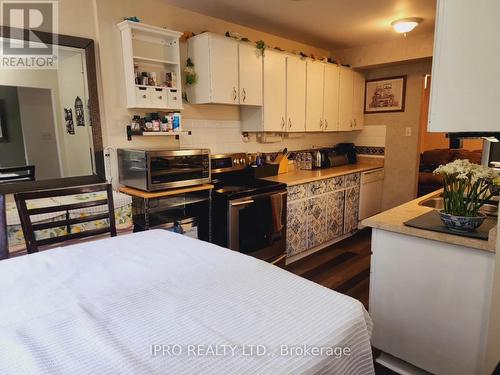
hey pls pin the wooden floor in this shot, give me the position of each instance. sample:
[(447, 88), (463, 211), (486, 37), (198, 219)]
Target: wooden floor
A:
[(343, 267)]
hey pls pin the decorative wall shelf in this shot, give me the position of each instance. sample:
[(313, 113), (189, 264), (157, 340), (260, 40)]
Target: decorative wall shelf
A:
[(177, 135), (155, 50), (158, 61)]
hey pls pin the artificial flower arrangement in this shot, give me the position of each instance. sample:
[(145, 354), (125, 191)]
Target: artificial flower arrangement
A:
[(467, 187)]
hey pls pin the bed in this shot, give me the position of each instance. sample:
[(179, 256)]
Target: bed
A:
[(158, 302)]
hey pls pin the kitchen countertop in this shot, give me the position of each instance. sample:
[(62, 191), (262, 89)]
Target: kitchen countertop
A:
[(393, 220), (301, 176)]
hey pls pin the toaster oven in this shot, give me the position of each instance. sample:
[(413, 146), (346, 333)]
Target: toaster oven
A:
[(152, 170)]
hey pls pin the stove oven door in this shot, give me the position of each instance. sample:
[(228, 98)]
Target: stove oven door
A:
[(257, 225)]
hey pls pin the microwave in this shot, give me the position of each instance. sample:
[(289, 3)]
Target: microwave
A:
[(152, 170)]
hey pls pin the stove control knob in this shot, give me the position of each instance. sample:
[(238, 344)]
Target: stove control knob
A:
[(242, 161), (236, 161)]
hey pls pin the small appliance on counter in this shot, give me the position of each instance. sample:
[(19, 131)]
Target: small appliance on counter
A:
[(347, 150), (161, 169), (321, 158)]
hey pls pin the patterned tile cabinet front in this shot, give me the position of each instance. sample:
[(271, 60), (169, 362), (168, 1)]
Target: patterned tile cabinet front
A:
[(335, 214), (351, 212), (321, 211), (296, 230), (316, 221)]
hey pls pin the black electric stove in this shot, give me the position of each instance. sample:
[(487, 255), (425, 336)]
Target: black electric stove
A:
[(248, 214)]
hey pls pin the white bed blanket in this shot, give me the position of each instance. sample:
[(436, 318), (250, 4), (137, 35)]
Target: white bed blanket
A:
[(157, 302)]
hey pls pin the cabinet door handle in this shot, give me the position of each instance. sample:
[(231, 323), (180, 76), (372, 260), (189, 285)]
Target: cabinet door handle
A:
[(242, 203), (144, 96), (321, 123), (235, 94), (355, 124), (289, 123), (244, 95), (326, 123), (282, 122)]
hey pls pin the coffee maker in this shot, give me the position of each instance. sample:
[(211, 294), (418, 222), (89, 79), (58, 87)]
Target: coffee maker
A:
[(347, 149)]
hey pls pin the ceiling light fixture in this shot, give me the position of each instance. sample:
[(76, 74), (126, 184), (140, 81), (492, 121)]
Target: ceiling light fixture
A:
[(405, 25)]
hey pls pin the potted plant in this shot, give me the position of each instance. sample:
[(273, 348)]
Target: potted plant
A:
[(467, 187)]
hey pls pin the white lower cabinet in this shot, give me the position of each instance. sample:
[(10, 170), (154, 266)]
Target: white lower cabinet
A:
[(430, 302), (321, 211)]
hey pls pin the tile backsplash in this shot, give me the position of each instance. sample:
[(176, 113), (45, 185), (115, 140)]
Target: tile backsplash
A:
[(226, 137)]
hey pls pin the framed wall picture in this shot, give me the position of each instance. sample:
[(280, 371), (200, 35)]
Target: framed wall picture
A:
[(385, 95)]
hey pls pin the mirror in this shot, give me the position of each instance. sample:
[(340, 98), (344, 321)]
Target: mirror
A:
[(45, 119), (49, 120)]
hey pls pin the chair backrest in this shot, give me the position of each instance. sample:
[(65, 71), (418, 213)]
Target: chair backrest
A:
[(29, 228), (15, 174)]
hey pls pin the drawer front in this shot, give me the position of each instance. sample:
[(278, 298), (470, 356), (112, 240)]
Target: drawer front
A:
[(174, 99), (316, 187), (335, 183), (142, 96), (297, 192), (352, 180), (159, 97)]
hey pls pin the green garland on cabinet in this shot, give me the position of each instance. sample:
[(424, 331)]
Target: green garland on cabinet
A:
[(191, 76)]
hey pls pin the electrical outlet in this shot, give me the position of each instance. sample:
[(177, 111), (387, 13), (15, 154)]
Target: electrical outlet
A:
[(408, 132)]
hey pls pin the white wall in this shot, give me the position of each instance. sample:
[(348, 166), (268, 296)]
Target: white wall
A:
[(39, 131), (77, 150)]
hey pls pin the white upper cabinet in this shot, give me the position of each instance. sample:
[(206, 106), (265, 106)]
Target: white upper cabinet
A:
[(331, 98), (295, 94), (465, 88), (152, 52), (215, 60), (314, 96), (358, 100), (274, 104), (346, 89), (224, 70), (228, 72), (250, 74)]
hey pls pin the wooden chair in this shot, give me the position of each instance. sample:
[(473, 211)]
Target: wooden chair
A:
[(29, 228), (27, 173)]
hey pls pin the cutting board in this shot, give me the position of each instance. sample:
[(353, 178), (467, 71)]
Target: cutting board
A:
[(431, 221)]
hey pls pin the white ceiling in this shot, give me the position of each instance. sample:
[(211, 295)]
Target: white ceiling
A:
[(328, 24)]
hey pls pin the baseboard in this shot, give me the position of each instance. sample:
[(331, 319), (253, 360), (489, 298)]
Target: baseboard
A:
[(398, 365)]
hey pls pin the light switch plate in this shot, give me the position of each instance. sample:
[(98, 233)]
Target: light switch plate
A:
[(408, 132)]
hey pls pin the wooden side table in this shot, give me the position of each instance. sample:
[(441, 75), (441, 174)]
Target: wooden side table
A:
[(157, 209)]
